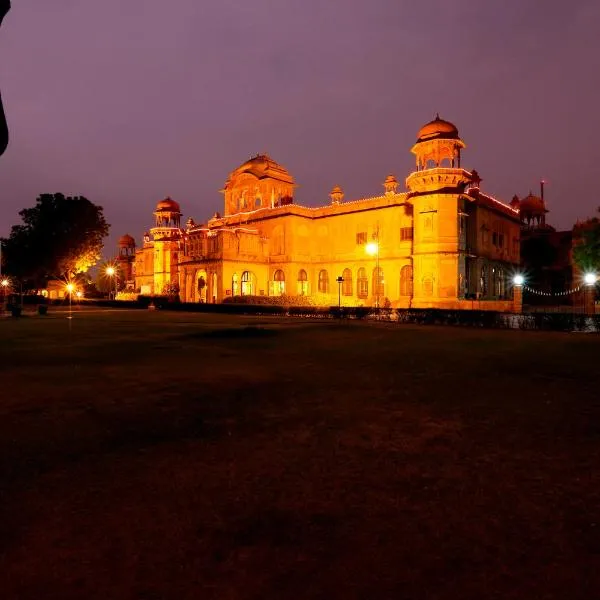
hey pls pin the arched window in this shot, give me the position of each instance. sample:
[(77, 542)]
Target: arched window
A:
[(323, 282), (213, 290), (278, 283), (362, 283), (501, 293), (378, 283), (248, 284), (483, 281), (347, 283), (302, 283), (406, 281), (235, 286)]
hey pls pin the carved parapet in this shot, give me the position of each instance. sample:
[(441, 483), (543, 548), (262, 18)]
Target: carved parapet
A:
[(431, 180)]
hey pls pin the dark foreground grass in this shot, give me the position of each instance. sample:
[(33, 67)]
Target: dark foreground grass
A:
[(180, 456)]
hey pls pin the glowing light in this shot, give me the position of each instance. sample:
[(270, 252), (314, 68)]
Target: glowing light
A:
[(78, 294), (590, 278), (518, 280), (70, 287), (372, 248), (5, 282), (110, 271)]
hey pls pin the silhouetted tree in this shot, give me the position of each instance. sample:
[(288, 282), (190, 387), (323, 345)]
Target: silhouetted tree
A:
[(59, 237), (586, 245)]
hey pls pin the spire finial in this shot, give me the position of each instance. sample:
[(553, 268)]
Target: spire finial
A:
[(437, 116)]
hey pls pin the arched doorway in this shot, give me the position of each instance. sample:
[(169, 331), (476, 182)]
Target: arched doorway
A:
[(347, 283), (406, 281), (200, 287), (362, 283), (248, 287), (323, 282), (278, 283), (302, 283), (213, 288), (378, 283)]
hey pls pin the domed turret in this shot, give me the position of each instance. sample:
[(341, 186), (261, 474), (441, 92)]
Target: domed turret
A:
[(438, 147), (438, 129), (390, 185), (126, 241), (167, 213), (533, 211), (336, 195), (168, 205)]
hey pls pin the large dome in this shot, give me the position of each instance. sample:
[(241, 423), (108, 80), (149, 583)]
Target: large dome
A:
[(167, 205), (437, 129), (263, 166)]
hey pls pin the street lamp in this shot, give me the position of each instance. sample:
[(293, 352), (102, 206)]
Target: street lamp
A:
[(518, 280), (111, 272), (590, 280), (5, 283), (340, 280), (70, 287)]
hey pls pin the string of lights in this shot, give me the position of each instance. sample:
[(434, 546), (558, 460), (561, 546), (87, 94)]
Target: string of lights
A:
[(554, 294)]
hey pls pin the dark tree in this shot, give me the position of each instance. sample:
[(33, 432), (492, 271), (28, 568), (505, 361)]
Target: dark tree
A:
[(4, 8), (59, 237), (586, 245)]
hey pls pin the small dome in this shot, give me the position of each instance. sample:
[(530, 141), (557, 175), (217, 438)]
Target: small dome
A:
[(390, 179), (126, 241), (532, 205), (437, 129), (337, 190), (168, 205)]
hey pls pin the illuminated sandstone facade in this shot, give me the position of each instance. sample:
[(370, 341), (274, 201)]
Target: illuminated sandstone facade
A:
[(441, 243)]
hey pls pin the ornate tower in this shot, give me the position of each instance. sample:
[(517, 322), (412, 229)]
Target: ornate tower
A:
[(167, 236), (436, 189), (126, 259)]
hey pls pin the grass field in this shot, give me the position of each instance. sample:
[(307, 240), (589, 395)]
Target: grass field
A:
[(148, 455)]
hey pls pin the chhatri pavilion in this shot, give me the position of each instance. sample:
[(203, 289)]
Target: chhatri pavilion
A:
[(441, 242)]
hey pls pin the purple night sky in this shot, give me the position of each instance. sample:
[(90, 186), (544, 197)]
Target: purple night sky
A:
[(126, 102)]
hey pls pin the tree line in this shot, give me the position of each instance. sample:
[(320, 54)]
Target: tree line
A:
[(58, 238)]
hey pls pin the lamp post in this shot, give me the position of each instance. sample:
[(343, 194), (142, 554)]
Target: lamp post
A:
[(5, 283), (372, 249), (70, 287), (340, 280), (111, 272)]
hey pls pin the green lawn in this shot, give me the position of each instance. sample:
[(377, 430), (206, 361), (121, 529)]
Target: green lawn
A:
[(151, 455)]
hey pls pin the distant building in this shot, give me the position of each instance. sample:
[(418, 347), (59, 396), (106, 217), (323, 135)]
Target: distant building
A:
[(125, 261), (441, 243), (546, 255)]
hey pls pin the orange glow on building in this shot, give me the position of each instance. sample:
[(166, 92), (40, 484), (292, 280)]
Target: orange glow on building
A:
[(441, 243)]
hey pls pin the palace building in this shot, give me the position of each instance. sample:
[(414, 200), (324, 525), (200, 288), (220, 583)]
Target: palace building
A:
[(440, 243)]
